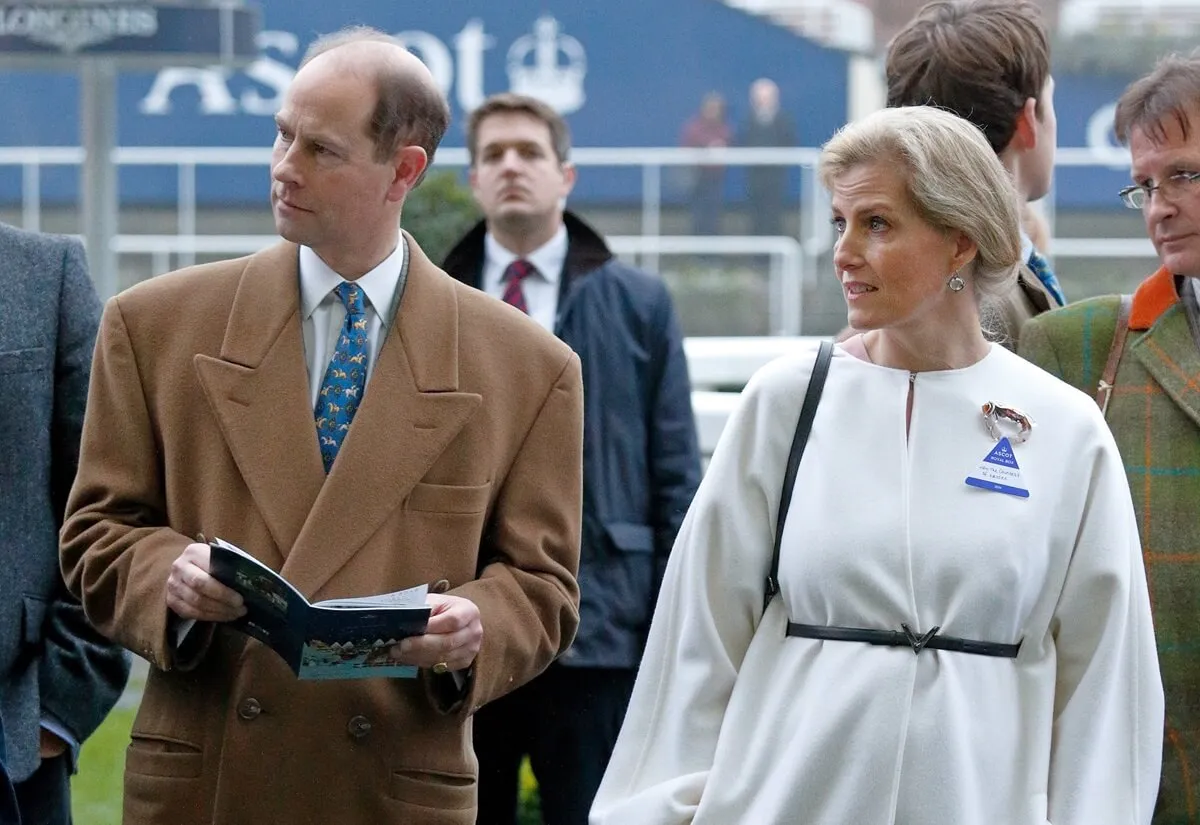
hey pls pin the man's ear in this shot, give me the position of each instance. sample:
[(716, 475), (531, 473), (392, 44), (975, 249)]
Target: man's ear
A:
[(1025, 132), (569, 175), (473, 181), (409, 163)]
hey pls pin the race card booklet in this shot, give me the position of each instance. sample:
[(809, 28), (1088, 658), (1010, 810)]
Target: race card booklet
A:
[(332, 639)]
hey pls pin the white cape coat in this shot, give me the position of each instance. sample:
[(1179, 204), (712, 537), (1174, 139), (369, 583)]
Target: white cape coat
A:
[(733, 722)]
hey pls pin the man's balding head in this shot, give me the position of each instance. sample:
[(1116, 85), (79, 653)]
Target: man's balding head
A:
[(409, 108)]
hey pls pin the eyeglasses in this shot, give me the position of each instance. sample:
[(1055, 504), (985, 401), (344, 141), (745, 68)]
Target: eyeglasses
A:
[(1136, 196)]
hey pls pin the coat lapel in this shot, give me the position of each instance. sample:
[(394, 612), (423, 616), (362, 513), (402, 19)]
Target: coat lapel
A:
[(1169, 354), (1035, 290), (258, 390), (411, 411)]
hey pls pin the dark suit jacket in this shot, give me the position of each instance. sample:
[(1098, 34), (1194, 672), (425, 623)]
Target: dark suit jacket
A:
[(462, 465), (53, 663), (641, 462), (766, 184), (9, 815)]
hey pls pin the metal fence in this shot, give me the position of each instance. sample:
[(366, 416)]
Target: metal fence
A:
[(790, 259)]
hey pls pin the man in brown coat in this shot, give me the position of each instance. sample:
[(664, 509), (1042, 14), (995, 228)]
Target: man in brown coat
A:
[(455, 460)]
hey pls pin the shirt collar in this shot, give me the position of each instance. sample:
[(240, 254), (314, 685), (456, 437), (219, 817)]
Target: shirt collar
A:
[(548, 258), (1186, 287), (1026, 247), (1152, 298), (317, 280)]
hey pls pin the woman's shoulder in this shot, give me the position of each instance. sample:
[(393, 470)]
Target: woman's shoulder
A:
[(1039, 389), (1025, 373), (787, 374)]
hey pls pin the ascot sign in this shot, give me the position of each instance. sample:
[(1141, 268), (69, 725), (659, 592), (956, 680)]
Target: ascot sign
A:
[(545, 64)]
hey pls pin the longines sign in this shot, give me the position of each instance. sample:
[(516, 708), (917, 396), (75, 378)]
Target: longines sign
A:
[(73, 28), (137, 30)]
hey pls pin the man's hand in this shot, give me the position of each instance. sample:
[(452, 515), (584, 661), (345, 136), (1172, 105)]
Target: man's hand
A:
[(50, 745), (452, 637), (193, 594)]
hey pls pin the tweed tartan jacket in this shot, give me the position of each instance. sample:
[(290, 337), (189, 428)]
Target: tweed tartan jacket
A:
[(1154, 413)]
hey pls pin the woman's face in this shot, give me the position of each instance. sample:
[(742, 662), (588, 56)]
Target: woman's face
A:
[(892, 264)]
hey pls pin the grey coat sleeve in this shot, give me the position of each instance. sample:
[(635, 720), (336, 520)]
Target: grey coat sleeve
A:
[(81, 674)]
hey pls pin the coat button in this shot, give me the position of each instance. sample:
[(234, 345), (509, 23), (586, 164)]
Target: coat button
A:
[(358, 727), (249, 709)]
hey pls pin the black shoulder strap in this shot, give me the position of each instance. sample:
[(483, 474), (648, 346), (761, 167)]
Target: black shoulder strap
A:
[(812, 397)]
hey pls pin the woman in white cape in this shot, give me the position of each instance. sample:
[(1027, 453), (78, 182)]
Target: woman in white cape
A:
[(898, 524)]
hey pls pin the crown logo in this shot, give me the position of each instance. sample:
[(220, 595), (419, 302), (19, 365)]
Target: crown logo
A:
[(558, 83)]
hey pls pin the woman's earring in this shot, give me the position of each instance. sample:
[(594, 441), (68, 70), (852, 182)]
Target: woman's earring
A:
[(956, 283)]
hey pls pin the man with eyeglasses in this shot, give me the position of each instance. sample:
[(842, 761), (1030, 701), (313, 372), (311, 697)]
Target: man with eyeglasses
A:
[(1148, 384)]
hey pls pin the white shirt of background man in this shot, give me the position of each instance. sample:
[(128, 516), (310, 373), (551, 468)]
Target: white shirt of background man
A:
[(541, 288)]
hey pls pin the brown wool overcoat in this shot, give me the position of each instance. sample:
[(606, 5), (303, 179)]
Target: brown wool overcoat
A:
[(463, 464)]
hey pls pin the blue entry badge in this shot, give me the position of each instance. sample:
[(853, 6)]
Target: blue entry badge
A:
[(999, 472)]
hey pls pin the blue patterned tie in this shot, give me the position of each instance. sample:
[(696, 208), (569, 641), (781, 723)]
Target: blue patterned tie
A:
[(1041, 268), (346, 377)]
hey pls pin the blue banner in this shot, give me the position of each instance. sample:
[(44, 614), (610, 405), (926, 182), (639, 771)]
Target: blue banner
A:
[(623, 73), (1085, 105)]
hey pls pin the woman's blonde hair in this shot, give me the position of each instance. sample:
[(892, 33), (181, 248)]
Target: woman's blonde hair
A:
[(952, 176)]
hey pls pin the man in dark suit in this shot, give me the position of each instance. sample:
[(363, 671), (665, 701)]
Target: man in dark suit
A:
[(360, 422), (60, 677), (9, 813), (641, 463)]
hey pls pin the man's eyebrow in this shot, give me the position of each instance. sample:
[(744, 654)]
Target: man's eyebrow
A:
[(515, 143)]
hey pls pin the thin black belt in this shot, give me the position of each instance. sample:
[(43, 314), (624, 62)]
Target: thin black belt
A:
[(902, 637)]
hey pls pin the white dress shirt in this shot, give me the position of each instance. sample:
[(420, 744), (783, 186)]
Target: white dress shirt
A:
[(541, 287), (323, 313)]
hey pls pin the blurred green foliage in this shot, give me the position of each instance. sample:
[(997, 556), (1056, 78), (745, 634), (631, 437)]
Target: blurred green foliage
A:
[(96, 789), (529, 807), (439, 212)]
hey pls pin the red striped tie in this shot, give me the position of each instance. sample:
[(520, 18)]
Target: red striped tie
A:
[(517, 272)]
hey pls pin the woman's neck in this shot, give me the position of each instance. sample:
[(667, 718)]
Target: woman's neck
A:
[(926, 349)]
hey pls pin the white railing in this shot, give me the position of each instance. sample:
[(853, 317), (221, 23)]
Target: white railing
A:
[(785, 273), (719, 368), (815, 236), (725, 363), (785, 270)]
